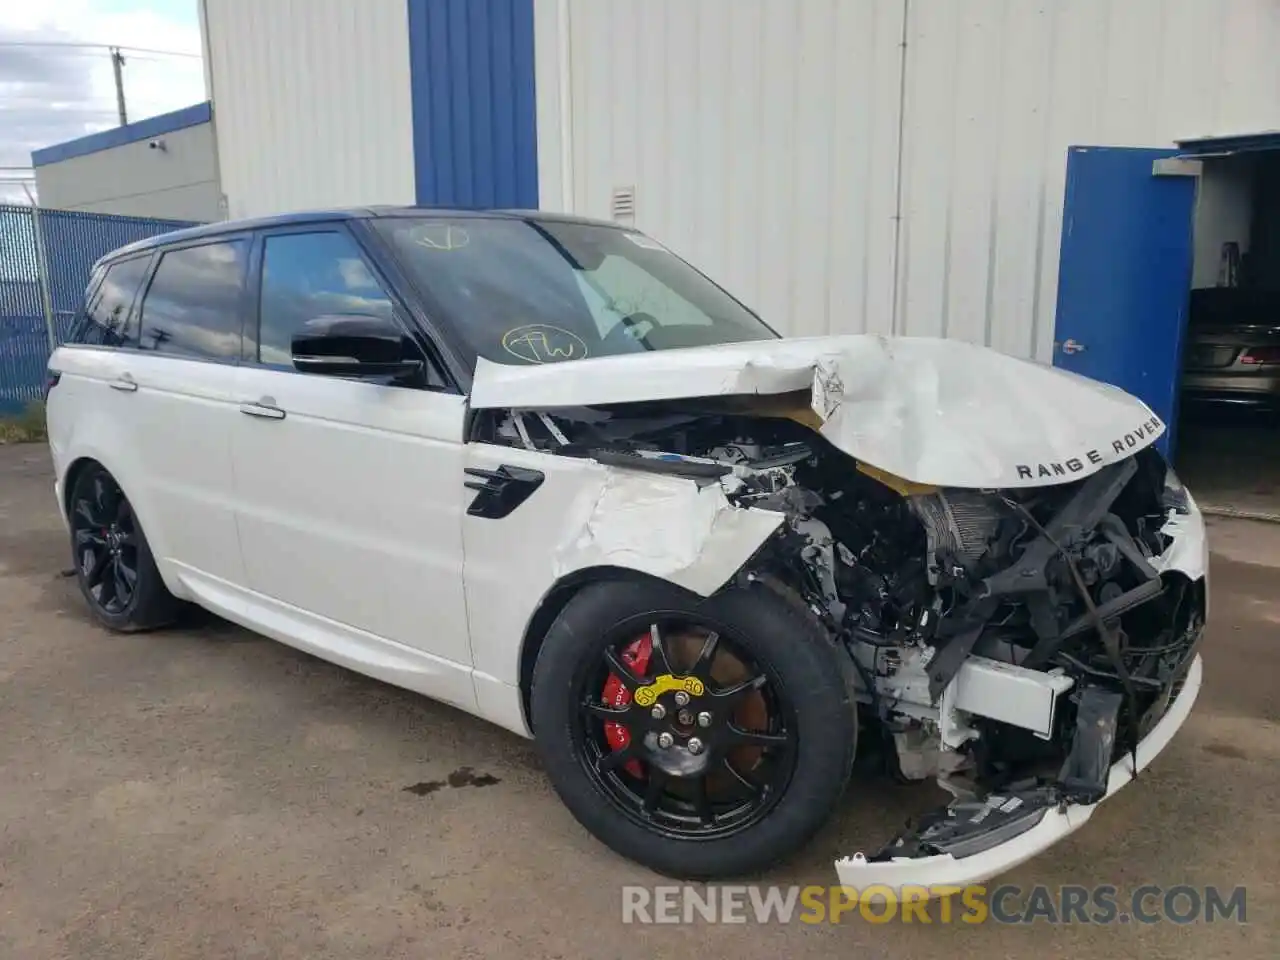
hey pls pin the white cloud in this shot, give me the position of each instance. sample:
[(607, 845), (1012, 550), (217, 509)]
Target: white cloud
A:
[(50, 94)]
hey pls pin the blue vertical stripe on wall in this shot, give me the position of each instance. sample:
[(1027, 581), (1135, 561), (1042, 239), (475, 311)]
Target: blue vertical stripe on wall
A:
[(474, 125)]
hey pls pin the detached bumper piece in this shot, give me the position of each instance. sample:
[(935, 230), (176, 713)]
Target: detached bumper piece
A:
[(971, 841), (1084, 775), (968, 827)]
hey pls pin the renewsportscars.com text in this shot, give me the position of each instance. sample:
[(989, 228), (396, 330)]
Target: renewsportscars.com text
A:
[(977, 904)]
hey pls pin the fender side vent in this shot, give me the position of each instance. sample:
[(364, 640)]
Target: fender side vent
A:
[(500, 491)]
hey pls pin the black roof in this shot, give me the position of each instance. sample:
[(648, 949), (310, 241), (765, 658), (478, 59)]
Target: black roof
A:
[(345, 213)]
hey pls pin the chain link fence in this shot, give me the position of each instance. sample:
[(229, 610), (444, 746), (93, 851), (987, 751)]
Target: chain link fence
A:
[(45, 259)]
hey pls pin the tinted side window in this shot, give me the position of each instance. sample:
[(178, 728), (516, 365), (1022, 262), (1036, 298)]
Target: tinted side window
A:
[(311, 275), (107, 319), (192, 307)]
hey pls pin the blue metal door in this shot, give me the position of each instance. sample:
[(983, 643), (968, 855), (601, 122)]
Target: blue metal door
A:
[(1125, 272)]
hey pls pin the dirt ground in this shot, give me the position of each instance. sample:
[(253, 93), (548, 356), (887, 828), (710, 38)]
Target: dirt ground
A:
[(205, 792)]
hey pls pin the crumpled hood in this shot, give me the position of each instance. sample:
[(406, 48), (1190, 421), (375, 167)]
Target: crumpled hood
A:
[(933, 411)]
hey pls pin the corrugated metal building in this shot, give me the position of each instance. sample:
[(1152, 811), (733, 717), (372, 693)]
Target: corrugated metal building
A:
[(163, 167), (337, 102), (842, 165), (775, 142)]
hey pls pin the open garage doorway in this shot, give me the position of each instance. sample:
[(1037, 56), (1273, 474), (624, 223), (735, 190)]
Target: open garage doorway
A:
[(1228, 429), (1169, 287)]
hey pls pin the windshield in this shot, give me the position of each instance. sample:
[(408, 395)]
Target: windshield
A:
[(522, 292)]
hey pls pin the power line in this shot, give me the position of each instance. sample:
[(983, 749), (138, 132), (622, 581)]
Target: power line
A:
[(96, 46), (163, 53), (142, 58)]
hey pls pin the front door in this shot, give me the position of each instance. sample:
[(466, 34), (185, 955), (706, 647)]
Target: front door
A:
[(350, 495), (1125, 272)]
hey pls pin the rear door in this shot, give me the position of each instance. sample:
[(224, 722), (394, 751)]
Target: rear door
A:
[(350, 493), (179, 379), (1125, 272)]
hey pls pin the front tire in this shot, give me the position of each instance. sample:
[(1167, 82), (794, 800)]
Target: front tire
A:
[(113, 562), (702, 737)]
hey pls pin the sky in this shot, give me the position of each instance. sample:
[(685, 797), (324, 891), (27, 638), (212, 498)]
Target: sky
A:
[(51, 94)]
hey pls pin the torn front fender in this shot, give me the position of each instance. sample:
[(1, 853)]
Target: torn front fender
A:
[(665, 526), (586, 515)]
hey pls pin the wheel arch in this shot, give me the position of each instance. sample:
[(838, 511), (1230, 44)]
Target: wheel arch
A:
[(549, 608), (140, 506), (72, 474)]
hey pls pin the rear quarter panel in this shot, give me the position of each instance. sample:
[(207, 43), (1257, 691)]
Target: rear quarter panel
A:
[(87, 419)]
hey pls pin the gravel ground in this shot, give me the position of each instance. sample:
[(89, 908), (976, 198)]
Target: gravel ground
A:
[(205, 792)]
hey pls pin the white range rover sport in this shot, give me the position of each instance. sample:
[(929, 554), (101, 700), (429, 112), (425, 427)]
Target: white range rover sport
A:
[(543, 469)]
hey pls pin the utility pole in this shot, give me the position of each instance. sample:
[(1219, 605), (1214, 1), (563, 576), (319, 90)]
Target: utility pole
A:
[(117, 67)]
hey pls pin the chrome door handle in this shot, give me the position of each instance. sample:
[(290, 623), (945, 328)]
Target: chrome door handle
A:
[(124, 383), (267, 411), (1070, 346)]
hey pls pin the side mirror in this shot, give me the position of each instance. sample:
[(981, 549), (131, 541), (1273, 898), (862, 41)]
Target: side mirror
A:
[(356, 346)]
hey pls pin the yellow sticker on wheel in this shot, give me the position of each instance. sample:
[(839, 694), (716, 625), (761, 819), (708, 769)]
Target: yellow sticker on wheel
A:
[(647, 695)]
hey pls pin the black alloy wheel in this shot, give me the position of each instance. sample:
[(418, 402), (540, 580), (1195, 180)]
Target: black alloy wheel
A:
[(709, 744), (112, 559), (105, 541), (704, 737)]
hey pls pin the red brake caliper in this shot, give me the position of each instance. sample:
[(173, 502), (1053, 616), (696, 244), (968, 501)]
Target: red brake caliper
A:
[(616, 695)]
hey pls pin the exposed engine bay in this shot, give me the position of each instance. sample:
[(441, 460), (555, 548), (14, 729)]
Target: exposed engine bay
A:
[(1010, 643)]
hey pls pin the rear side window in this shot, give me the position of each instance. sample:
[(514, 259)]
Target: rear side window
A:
[(306, 276), (107, 319), (192, 308)]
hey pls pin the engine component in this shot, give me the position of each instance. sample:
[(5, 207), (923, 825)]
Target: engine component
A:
[(1099, 562), (918, 754), (959, 524), (819, 555), (1077, 518)]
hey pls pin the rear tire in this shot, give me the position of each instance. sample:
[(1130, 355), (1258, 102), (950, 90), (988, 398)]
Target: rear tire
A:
[(805, 717), (113, 563)]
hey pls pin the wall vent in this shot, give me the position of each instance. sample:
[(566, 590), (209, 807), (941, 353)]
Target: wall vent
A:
[(624, 205)]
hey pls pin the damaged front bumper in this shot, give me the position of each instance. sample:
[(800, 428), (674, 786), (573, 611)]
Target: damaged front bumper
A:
[(971, 841), (1006, 830)]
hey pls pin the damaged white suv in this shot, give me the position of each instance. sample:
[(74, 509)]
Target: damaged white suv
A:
[(544, 470)]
